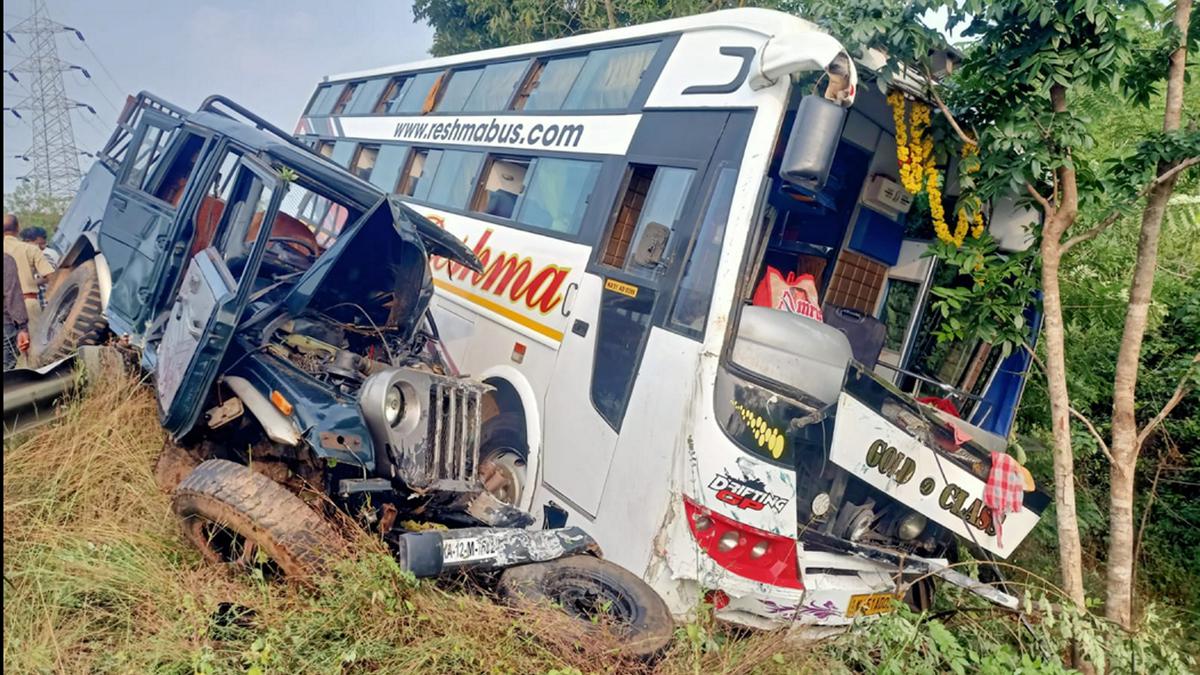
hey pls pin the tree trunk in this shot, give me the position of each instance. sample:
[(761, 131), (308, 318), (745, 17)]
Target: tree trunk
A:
[(1125, 446), (1069, 548)]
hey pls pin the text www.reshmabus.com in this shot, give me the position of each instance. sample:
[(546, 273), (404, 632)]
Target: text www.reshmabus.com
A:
[(508, 133)]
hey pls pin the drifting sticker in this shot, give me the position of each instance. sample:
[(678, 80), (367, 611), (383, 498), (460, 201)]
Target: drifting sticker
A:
[(746, 493)]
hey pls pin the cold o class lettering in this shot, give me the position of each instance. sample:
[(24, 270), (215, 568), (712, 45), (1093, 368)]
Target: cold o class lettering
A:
[(891, 462)]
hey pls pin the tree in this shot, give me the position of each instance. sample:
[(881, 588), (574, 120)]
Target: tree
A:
[(467, 25), (1127, 438), (34, 209)]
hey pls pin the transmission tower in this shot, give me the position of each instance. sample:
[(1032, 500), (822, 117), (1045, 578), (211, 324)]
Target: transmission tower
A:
[(52, 153)]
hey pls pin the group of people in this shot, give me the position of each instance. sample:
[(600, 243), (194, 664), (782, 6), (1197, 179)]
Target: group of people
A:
[(28, 270)]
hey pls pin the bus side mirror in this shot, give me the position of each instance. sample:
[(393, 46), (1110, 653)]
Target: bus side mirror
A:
[(651, 245), (813, 142)]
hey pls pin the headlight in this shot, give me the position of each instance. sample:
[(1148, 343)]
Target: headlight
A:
[(393, 405), (911, 526), (820, 504)]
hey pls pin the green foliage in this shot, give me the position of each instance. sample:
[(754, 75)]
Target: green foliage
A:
[(34, 209), (468, 25), (964, 635), (989, 299)]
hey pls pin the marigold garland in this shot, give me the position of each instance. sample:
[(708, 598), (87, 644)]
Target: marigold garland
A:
[(918, 172)]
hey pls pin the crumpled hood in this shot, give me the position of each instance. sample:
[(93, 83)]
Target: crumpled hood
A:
[(409, 226)]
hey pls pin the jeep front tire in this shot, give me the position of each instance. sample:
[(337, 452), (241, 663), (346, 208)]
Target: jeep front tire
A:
[(237, 516)]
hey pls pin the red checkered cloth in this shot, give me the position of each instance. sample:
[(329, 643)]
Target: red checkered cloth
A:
[(1004, 490)]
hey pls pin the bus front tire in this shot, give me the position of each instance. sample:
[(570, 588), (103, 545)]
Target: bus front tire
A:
[(591, 589)]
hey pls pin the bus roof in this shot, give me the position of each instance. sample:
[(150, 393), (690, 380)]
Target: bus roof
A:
[(766, 22)]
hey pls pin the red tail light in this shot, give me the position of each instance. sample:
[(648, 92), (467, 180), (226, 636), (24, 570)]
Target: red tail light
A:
[(744, 550)]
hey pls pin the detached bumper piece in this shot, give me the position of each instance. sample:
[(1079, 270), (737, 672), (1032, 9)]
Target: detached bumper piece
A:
[(432, 553), (910, 564)]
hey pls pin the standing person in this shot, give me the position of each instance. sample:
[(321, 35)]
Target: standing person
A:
[(31, 265), (16, 320), (38, 237)]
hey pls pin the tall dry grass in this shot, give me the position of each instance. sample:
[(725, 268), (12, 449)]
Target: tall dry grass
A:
[(98, 579)]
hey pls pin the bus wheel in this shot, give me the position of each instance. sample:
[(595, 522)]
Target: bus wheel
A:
[(502, 454), (72, 317), (595, 591)]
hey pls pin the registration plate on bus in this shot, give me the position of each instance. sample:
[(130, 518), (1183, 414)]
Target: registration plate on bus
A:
[(469, 549), (868, 604)]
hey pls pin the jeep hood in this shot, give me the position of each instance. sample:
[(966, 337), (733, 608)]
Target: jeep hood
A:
[(386, 250)]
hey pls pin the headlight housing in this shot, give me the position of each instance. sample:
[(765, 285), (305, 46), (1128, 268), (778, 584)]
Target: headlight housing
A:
[(393, 405), (911, 526)]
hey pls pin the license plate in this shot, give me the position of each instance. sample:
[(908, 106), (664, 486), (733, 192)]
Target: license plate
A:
[(469, 549), (869, 604)]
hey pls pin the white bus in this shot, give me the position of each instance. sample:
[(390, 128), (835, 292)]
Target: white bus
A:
[(625, 191)]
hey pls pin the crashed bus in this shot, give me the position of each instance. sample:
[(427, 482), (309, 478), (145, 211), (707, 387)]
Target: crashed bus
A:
[(626, 192)]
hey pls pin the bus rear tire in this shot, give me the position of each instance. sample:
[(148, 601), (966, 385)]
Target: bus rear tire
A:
[(73, 317), (590, 589)]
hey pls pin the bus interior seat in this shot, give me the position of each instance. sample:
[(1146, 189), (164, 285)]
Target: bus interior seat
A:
[(792, 349), (501, 202), (865, 332)]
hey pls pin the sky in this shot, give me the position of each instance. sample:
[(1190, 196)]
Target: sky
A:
[(265, 55)]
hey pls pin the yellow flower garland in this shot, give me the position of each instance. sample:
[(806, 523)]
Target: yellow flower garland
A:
[(918, 172)]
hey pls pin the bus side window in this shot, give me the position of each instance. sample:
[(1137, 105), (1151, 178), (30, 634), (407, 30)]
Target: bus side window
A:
[(343, 152), (640, 235), (344, 100), (388, 164), (323, 102), (695, 288), (414, 171), (364, 160)]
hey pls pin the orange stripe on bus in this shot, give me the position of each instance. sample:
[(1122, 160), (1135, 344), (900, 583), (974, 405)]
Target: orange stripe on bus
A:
[(500, 309)]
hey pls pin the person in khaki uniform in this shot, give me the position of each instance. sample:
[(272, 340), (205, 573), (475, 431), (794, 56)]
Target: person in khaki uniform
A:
[(32, 265)]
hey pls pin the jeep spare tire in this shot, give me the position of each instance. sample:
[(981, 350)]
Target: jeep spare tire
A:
[(72, 317), (592, 589), (236, 515)]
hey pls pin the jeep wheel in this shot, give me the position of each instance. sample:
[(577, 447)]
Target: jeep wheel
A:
[(236, 515), (502, 453), (591, 589), (72, 317)]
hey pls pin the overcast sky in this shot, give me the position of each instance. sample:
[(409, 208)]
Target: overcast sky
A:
[(265, 55)]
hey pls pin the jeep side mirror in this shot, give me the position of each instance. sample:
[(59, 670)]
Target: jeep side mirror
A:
[(813, 142)]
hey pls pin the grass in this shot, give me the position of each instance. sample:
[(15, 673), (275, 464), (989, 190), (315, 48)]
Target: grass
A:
[(97, 578)]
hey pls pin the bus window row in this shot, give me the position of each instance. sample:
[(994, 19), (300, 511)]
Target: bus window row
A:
[(601, 79), (544, 193)]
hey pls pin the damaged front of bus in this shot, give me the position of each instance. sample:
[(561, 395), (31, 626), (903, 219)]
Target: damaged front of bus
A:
[(836, 468)]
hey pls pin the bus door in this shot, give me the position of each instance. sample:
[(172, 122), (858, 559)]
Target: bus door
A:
[(626, 291)]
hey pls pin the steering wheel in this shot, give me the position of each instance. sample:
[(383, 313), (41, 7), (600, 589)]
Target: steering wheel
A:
[(311, 247), (289, 254)]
